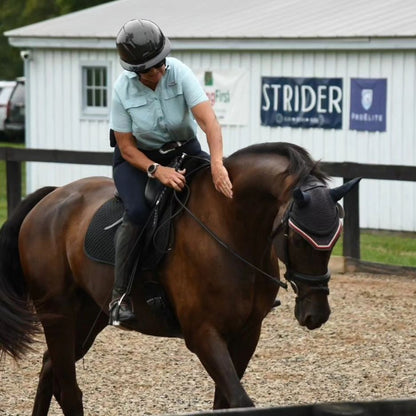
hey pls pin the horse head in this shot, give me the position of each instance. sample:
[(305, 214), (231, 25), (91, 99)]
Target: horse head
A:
[(305, 232)]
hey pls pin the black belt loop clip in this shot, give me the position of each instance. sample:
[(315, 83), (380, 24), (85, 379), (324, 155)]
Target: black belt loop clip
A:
[(170, 147)]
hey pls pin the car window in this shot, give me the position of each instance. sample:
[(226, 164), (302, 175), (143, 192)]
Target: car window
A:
[(5, 94), (18, 94)]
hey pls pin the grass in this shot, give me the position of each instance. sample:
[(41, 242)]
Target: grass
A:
[(388, 247), (376, 246)]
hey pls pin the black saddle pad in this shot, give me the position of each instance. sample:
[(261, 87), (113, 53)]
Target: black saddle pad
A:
[(157, 237), (99, 240), (155, 241)]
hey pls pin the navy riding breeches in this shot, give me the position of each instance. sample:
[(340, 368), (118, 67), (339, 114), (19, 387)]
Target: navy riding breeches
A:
[(131, 182)]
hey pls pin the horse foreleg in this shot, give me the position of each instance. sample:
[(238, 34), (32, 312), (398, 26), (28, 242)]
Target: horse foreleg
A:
[(241, 350), (212, 351)]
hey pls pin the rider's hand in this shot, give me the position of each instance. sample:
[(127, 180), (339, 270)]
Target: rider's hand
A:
[(221, 179), (171, 177)]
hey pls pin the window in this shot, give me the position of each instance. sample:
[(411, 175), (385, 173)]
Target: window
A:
[(95, 90)]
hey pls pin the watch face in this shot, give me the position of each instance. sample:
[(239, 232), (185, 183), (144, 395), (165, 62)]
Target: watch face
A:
[(152, 169)]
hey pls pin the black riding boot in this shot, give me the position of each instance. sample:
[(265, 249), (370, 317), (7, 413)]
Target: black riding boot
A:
[(121, 308)]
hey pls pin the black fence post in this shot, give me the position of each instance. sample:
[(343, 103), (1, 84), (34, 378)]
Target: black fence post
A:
[(351, 238), (14, 185)]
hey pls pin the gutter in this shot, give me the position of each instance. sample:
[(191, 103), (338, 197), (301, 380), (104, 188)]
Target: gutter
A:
[(229, 44)]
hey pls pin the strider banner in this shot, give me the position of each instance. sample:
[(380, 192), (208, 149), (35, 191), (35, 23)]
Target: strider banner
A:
[(301, 102), (368, 104)]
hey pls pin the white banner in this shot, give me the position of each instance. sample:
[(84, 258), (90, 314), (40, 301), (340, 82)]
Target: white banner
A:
[(228, 93)]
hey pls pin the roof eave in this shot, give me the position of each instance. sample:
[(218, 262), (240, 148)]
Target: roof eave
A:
[(260, 44), (61, 42)]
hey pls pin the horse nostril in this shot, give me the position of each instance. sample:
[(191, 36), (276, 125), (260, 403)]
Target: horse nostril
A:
[(314, 321)]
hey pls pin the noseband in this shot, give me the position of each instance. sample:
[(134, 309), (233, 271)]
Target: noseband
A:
[(315, 283)]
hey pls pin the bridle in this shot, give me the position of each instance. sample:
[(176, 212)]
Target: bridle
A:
[(314, 283)]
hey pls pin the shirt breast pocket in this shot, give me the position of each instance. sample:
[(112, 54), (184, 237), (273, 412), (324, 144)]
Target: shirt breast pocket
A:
[(173, 101), (142, 116)]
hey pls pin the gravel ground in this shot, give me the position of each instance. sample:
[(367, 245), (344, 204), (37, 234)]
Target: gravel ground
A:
[(366, 351)]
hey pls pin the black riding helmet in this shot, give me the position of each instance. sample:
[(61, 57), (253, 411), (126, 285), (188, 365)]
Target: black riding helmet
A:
[(141, 45)]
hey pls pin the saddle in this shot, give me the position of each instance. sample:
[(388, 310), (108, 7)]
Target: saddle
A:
[(158, 235)]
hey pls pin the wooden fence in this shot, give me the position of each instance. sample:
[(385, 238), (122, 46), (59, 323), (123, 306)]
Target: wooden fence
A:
[(346, 170)]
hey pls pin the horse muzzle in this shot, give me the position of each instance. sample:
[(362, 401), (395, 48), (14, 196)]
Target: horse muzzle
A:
[(312, 320), (312, 311), (312, 308)]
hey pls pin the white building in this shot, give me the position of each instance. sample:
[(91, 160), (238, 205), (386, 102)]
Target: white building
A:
[(71, 63)]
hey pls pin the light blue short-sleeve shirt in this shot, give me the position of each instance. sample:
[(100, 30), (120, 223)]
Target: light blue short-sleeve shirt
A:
[(160, 116)]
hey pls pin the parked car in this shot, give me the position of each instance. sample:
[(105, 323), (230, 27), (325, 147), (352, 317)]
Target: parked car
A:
[(14, 125), (6, 88)]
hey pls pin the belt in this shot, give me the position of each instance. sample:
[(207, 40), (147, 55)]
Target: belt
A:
[(170, 147)]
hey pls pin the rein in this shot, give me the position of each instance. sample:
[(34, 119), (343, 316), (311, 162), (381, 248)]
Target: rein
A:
[(315, 282), (274, 279)]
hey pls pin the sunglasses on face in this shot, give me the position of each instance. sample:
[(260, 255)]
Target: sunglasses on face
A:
[(158, 65)]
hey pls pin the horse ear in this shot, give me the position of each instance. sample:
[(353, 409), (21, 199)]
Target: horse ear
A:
[(301, 198), (341, 191)]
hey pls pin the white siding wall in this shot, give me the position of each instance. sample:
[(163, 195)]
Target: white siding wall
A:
[(57, 91), (56, 119)]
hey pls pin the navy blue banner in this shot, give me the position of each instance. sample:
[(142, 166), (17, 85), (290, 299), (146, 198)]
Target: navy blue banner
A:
[(301, 102), (368, 104)]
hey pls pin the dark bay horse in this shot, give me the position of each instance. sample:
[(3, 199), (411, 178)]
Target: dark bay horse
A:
[(220, 289)]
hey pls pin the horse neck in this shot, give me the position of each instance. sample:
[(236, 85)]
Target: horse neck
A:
[(262, 178), (260, 188)]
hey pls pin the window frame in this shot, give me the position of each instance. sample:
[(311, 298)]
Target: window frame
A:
[(99, 111)]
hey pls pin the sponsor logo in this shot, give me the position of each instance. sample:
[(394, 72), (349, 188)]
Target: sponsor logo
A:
[(366, 98)]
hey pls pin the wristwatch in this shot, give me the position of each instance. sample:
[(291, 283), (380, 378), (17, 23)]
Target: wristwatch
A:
[(151, 170)]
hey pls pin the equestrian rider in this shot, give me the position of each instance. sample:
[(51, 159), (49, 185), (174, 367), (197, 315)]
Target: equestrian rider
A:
[(156, 101)]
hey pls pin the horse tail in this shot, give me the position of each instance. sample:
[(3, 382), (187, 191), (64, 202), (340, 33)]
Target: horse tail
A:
[(18, 324)]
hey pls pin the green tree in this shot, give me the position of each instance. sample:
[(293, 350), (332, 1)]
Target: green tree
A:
[(18, 13)]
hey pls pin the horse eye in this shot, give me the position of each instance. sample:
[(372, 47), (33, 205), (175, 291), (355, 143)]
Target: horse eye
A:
[(297, 241)]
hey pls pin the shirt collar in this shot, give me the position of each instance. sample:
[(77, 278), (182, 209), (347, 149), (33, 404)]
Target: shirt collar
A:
[(130, 74)]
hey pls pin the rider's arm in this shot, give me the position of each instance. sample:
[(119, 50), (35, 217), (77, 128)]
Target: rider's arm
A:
[(131, 154), (206, 119)]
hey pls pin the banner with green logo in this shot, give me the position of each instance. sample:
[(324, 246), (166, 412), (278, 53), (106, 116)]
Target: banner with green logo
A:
[(228, 91)]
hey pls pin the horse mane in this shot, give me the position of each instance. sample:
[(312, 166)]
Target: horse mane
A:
[(301, 164)]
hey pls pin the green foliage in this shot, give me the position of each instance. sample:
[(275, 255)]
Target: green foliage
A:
[(18, 13), (68, 6)]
